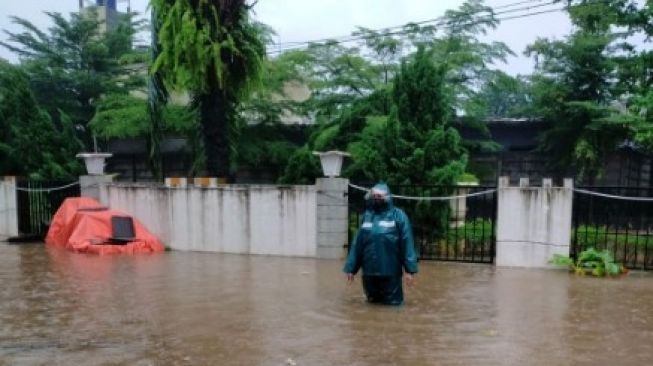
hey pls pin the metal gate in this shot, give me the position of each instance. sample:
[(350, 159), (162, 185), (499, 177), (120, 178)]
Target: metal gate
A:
[(461, 229), (38, 200), (622, 226)]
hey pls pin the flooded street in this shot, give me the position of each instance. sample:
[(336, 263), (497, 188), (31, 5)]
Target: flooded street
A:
[(179, 308)]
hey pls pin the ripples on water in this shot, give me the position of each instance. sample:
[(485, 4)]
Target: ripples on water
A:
[(177, 308)]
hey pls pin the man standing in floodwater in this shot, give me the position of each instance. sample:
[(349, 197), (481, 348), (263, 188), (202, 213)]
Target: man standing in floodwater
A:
[(384, 248)]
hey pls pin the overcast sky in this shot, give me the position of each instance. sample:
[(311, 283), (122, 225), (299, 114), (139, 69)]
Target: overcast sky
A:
[(301, 20)]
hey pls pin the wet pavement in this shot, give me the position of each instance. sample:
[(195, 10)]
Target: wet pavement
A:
[(177, 308)]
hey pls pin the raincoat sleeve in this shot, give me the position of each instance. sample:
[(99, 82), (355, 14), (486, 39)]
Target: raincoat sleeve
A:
[(355, 257), (407, 243)]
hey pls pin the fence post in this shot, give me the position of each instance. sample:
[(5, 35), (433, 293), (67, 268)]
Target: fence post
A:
[(94, 186), (332, 217), (533, 223), (8, 207)]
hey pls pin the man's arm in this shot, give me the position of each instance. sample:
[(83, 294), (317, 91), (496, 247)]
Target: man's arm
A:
[(409, 254), (354, 258)]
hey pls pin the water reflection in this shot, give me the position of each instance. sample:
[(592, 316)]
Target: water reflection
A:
[(58, 307)]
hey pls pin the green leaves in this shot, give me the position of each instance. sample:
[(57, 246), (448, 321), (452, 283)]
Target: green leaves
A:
[(73, 64), (426, 149), (211, 49), (391, 100), (561, 260), (502, 96), (207, 45), (302, 168), (419, 93), (597, 263), (590, 85), (122, 116), (572, 88), (32, 143)]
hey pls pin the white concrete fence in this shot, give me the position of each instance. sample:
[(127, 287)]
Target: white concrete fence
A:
[(533, 223), (8, 207), (293, 220), (272, 220)]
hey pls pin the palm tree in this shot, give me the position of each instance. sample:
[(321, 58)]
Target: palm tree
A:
[(212, 49)]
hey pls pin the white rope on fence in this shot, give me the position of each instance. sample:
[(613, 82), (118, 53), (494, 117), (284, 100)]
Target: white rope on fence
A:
[(518, 241), (47, 190), (624, 198), (447, 198)]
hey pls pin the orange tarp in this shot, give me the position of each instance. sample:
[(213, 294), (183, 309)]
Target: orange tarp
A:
[(82, 225), (60, 227)]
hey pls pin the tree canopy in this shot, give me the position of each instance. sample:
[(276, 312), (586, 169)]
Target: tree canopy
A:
[(50, 98), (394, 98), (356, 98), (32, 143), (73, 64), (576, 87), (212, 49)]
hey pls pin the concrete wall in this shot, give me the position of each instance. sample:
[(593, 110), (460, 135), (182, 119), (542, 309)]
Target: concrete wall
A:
[(93, 186), (533, 223), (332, 217), (8, 208), (271, 220)]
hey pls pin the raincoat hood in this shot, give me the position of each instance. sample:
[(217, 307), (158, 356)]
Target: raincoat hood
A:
[(383, 189)]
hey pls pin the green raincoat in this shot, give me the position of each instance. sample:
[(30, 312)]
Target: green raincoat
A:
[(383, 248)]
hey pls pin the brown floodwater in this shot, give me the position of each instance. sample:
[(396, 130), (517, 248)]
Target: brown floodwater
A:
[(178, 308)]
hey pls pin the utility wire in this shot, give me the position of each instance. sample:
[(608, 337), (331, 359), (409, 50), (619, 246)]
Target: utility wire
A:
[(345, 39), (612, 196), (405, 32), (443, 198), (432, 20), (447, 25)]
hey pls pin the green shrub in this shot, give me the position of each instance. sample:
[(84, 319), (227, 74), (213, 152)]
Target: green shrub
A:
[(593, 236), (468, 178), (598, 263), (474, 231)]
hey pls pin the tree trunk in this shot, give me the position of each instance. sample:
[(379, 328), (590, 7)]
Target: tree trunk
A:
[(154, 135), (215, 114), (157, 98)]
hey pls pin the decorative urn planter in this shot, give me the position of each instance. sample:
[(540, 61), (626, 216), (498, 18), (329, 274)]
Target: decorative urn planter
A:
[(94, 162), (331, 162)]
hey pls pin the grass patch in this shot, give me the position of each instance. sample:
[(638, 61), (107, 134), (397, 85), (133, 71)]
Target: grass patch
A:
[(601, 236), (475, 231)]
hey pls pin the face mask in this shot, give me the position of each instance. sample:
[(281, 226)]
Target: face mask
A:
[(379, 205)]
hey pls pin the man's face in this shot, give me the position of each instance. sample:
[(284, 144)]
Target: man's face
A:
[(378, 198)]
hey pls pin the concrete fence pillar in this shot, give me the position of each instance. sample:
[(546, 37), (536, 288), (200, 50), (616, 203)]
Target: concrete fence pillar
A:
[(332, 217), (533, 223), (94, 186), (8, 207)]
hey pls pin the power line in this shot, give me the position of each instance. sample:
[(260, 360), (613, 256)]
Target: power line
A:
[(447, 25), (347, 39), (408, 31), (404, 32), (401, 26)]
